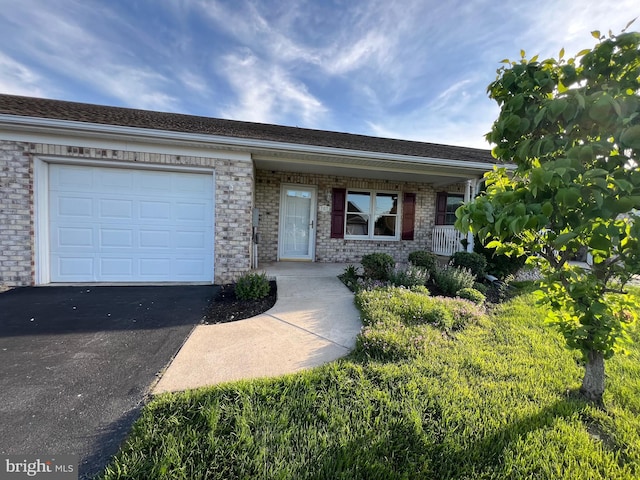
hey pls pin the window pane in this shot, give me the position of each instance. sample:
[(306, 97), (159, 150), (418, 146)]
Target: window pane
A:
[(385, 226), (358, 202), (357, 224), (453, 202), (386, 203)]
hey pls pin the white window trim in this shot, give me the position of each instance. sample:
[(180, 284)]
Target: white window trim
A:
[(370, 236)]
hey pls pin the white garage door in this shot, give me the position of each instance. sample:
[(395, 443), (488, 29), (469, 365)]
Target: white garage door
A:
[(125, 225)]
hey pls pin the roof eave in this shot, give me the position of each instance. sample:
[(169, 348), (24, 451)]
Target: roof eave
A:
[(255, 146)]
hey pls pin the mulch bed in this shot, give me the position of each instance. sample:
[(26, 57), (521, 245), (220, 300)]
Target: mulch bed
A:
[(225, 307)]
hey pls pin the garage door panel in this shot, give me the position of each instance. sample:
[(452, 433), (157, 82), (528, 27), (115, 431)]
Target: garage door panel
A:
[(131, 225), (116, 238), (155, 267), (115, 267), (75, 267), (191, 212), (76, 237), (187, 267), (77, 179), (116, 180), (186, 240), (155, 210), (71, 206), (154, 182), (112, 208), (192, 185), (155, 239)]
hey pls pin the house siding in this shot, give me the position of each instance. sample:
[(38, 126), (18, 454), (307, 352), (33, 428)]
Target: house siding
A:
[(268, 186), (233, 198)]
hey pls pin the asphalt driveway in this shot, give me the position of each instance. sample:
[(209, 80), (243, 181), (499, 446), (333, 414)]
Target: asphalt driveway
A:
[(76, 363)]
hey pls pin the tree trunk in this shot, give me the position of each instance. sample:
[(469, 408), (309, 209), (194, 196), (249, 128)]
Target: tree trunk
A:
[(593, 381)]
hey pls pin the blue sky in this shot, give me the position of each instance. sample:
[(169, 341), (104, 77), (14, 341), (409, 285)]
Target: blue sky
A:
[(414, 69)]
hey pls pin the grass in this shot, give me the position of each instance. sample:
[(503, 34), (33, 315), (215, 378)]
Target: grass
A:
[(494, 399)]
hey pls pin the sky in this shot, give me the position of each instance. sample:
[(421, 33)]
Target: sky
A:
[(410, 69)]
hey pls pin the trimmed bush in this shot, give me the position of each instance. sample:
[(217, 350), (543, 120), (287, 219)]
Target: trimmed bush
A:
[(252, 286), (450, 280), (422, 258), (475, 262), (377, 266), (472, 294), (410, 276)]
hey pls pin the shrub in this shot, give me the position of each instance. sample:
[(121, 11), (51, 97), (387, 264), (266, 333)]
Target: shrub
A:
[(472, 294), (252, 286), (498, 264), (475, 262), (462, 312), (350, 277), (377, 266), (421, 258), (389, 306), (481, 287), (410, 276), (452, 279)]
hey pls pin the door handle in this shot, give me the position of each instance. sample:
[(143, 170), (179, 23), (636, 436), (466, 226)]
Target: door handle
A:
[(311, 224)]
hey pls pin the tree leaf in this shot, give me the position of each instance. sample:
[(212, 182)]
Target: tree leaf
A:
[(596, 34), (600, 242), (629, 24), (631, 137), (563, 238)]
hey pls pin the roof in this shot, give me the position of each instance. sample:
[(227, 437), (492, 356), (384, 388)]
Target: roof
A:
[(176, 122)]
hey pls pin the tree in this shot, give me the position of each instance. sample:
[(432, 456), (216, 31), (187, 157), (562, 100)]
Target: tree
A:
[(571, 128)]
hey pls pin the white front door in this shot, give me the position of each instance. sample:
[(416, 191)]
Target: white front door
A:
[(297, 222)]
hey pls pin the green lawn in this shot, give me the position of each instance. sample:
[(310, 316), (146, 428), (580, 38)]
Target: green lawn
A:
[(495, 399)]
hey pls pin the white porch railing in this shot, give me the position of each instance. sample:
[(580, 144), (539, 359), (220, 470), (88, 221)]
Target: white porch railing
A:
[(446, 240)]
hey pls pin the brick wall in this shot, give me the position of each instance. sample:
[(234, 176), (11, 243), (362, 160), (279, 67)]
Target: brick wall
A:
[(339, 250), (16, 226), (234, 200)]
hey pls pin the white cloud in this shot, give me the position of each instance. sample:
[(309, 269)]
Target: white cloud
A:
[(58, 36), (194, 82), (456, 116), (18, 79), (268, 94)]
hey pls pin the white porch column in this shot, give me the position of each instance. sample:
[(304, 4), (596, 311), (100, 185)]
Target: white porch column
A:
[(467, 197)]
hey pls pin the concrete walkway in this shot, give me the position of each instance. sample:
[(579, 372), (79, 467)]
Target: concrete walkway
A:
[(314, 321)]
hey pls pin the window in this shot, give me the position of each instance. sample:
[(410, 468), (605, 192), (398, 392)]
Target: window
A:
[(446, 206), (372, 215)]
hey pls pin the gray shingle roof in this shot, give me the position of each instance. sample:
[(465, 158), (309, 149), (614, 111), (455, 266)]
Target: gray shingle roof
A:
[(128, 117)]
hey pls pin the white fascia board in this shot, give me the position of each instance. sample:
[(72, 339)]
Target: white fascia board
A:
[(128, 141), (229, 142)]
